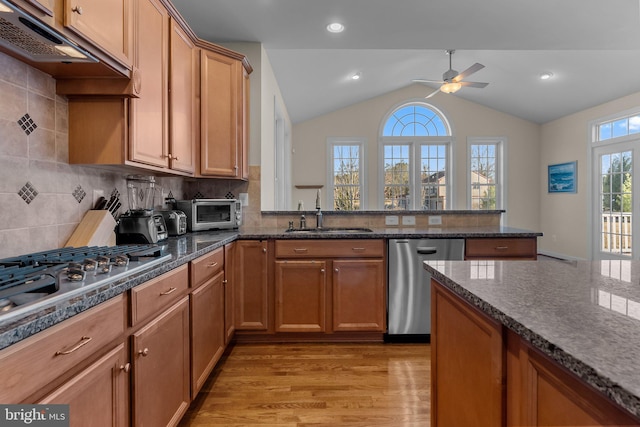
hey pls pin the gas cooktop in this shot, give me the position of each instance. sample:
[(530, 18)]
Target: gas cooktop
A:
[(31, 281)]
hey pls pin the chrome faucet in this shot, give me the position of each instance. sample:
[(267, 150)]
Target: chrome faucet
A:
[(319, 219), (303, 221)]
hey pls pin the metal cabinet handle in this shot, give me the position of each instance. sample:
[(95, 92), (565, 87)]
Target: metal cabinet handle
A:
[(264, 250), (336, 270), (358, 249), (143, 352), (83, 341), (502, 248), (126, 367), (77, 9), (300, 250), (169, 291), (170, 157), (213, 264), (322, 270), (225, 281)]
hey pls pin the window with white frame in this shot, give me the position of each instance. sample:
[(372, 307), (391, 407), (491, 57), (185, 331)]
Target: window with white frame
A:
[(484, 172), (416, 146), (615, 186), (346, 174)]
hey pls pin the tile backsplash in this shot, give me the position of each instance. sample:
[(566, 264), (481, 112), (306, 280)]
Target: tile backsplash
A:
[(42, 197)]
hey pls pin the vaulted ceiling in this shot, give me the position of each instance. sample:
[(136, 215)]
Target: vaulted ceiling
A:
[(592, 48)]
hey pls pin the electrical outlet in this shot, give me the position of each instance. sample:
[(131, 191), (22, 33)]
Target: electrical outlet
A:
[(391, 220), (435, 220), (96, 195), (409, 220), (244, 199)]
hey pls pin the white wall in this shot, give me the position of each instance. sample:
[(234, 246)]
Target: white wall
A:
[(467, 119), (564, 217)]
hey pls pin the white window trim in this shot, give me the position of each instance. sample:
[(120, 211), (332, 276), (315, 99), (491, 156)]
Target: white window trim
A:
[(501, 169), (361, 142)]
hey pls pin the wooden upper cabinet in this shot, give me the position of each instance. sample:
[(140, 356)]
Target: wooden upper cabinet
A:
[(149, 136), (182, 96), (44, 6), (221, 112), (246, 121), (106, 24)]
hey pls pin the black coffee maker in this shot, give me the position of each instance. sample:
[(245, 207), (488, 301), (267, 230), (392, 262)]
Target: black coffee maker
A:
[(140, 224)]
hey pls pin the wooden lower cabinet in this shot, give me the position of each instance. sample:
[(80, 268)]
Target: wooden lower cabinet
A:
[(301, 288), (483, 374), (229, 292), (251, 285), (99, 395), (359, 295), (496, 248), (467, 369), (207, 329), (160, 359)]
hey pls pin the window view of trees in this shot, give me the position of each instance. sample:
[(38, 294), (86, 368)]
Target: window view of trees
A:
[(483, 176), (616, 202), (347, 179)]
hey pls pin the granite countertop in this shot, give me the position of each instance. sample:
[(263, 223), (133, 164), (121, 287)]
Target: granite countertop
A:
[(390, 233), (585, 315), (193, 245)]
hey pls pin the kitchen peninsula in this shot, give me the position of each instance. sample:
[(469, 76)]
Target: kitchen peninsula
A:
[(537, 343)]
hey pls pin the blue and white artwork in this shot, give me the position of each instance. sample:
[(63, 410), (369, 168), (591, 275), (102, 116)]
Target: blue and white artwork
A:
[(562, 178)]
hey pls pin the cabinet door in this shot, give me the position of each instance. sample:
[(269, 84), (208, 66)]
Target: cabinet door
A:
[(148, 143), (182, 100), (301, 288), (104, 23), (98, 396), (467, 364), (220, 114), (229, 292), (207, 330), (161, 368), (251, 287), (359, 295), (246, 123)]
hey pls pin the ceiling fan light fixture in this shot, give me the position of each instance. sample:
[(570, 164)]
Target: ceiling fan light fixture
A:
[(546, 75), (356, 76), (335, 27), (450, 87)]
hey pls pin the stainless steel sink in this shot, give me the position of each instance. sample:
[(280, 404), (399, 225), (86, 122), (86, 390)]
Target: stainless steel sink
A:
[(332, 230)]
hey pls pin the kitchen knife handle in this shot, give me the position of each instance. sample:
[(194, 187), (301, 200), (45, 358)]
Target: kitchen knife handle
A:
[(83, 341)]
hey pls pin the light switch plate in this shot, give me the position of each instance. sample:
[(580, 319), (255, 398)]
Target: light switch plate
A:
[(435, 220), (244, 199), (409, 220), (96, 195), (391, 220)]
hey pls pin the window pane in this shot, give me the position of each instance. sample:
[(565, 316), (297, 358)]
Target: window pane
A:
[(620, 128), (604, 131), (346, 177), (415, 120), (616, 203), (483, 176)]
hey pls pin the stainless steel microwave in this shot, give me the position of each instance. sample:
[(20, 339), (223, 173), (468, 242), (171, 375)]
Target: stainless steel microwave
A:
[(211, 214)]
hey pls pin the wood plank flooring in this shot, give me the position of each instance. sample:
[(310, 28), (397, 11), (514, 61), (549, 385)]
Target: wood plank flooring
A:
[(311, 384)]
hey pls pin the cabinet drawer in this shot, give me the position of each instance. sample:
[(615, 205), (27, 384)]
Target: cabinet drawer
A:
[(207, 266), (501, 248), (29, 365), (149, 298), (330, 248)]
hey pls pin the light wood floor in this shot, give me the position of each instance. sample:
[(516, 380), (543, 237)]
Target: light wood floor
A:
[(354, 385)]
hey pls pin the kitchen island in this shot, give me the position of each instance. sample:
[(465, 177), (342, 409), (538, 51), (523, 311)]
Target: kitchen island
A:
[(551, 337)]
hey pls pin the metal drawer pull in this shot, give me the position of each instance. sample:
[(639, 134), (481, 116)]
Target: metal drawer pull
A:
[(298, 250), (170, 291), (77, 9), (264, 250), (83, 341), (502, 248), (427, 250), (322, 270), (225, 281), (125, 368), (358, 249), (213, 264), (144, 352)]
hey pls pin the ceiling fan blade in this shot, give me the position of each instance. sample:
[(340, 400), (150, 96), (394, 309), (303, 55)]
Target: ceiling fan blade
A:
[(475, 67), (432, 93), (427, 81), (474, 84)]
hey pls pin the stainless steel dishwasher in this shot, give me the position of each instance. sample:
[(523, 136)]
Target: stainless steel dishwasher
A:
[(409, 298)]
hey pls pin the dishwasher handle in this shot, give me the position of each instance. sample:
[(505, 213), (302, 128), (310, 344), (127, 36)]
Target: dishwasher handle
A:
[(426, 250)]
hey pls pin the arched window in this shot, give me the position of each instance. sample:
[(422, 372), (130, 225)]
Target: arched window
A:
[(416, 147)]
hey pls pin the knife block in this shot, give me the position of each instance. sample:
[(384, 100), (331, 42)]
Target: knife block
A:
[(97, 228)]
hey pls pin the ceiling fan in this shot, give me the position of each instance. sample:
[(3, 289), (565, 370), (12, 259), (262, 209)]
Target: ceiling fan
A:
[(452, 81)]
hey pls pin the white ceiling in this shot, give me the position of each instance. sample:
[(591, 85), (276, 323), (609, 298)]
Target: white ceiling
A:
[(591, 46)]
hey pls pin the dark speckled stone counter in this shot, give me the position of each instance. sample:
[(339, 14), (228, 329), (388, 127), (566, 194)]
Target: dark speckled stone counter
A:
[(192, 245), (584, 315), (182, 249)]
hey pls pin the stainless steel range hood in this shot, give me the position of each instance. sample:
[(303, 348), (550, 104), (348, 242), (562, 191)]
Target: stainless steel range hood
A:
[(33, 40)]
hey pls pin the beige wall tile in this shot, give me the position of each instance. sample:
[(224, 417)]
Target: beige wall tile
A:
[(13, 103), (41, 83), (43, 111), (42, 144), (13, 141), (13, 71)]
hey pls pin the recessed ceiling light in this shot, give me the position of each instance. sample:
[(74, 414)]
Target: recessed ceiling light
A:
[(335, 27), (356, 76), (546, 75)]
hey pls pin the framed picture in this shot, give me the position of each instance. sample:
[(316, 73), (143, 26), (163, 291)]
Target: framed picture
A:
[(563, 178)]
